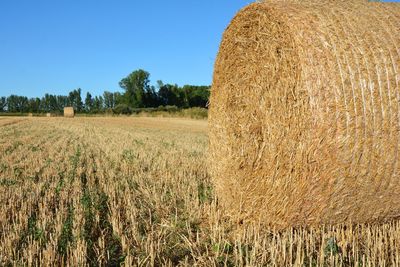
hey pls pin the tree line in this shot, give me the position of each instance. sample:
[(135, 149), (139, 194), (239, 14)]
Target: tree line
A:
[(138, 94)]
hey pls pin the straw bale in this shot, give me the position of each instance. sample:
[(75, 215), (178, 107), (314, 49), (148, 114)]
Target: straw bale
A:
[(305, 113), (48, 114), (69, 112)]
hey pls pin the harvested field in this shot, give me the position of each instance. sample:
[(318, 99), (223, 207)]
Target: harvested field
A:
[(4, 121), (105, 191)]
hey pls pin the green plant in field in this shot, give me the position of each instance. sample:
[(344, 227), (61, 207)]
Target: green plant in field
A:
[(75, 158), (137, 142), (223, 247), (60, 184), (66, 237), (17, 171), (48, 162), (9, 150), (128, 155), (90, 232), (331, 247), (8, 182), (205, 192), (32, 231), (3, 167), (34, 148)]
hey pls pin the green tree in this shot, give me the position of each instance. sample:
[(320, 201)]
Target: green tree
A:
[(53, 103), (136, 85), (3, 103), (34, 105), (98, 104), (88, 102), (118, 98), (44, 104), (17, 103), (109, 101), (75, 100), (151, 97), (49, 103), (62, 101), (170, 95), (196, 96)]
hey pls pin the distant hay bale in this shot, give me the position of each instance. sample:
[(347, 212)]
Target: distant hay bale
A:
[(30, 114), (69, 112), (305, 113), (48, 114)]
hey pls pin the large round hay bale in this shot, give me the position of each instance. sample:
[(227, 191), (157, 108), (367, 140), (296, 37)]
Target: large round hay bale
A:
[(305, 113), (69, 112)]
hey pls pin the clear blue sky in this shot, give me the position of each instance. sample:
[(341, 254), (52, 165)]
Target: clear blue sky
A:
[(57, 46)]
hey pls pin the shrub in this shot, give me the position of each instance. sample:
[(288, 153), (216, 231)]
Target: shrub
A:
[(122, 109)]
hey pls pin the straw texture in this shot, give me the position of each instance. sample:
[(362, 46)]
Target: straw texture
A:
[(305, 113), (69, 112)]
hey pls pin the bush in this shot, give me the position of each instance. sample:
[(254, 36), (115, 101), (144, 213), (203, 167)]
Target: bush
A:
[(171, 109), (122, 109), (167, 108), (109, 111), (195, 113)]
